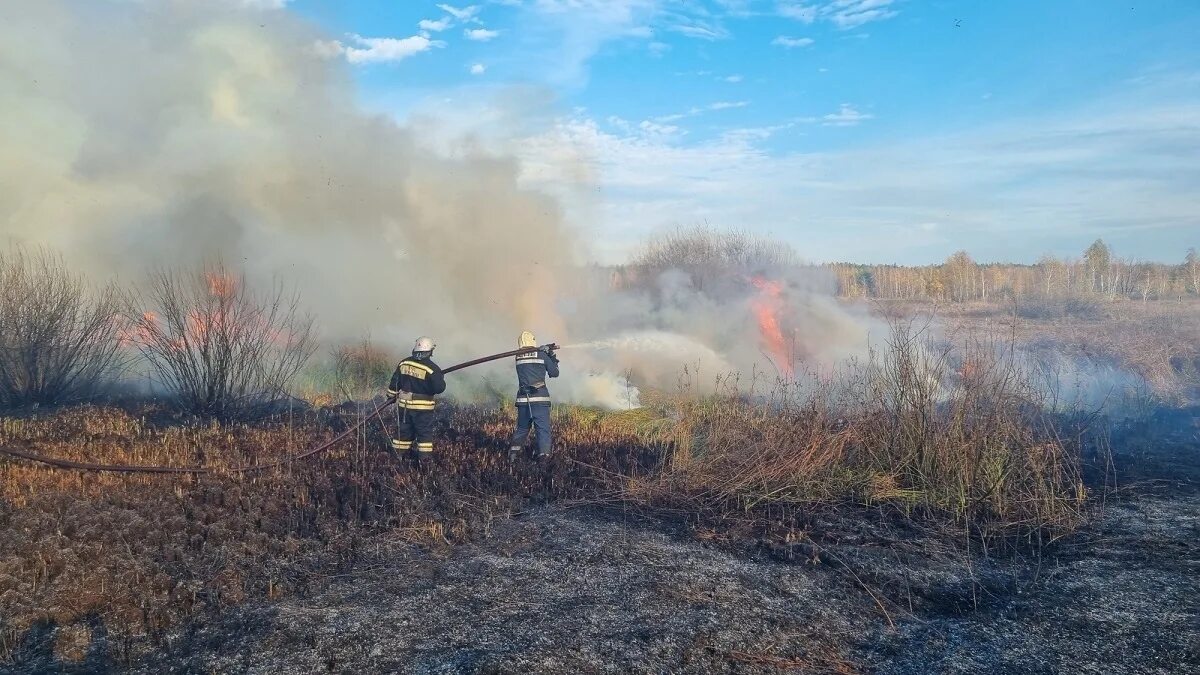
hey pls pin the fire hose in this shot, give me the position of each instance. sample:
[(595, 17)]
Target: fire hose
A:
[(196, 470)]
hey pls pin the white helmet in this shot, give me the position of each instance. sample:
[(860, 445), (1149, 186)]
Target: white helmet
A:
[(526, 340), (424, 344)]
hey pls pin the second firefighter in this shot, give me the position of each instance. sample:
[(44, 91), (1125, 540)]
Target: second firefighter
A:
[(533, 396), (415, 383)]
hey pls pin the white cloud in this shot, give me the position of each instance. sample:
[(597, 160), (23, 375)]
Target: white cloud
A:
[(726, 105), (700, 31), (1122, 169), (652, 128), (569, 32), (799, 12), (852, 13), (478, 69), (265, 4), (698, 110), (910, 202), (791, 42), (1008, 191), (657, 49), (464, 14), (846, 116), (844, 14), (733, 79), (738, 8), (480, 34), (756, 134), (380, 50), (435, 26)]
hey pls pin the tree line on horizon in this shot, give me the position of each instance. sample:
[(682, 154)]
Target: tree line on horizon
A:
[(1098, 273), (709, 257)]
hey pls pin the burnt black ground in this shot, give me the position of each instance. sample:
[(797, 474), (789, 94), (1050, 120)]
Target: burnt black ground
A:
[(563, 590)]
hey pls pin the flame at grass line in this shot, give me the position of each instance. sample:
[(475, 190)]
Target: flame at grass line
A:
[(766, 307)]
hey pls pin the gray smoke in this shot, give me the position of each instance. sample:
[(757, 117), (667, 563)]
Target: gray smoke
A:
[(156, 133), (138, 134)]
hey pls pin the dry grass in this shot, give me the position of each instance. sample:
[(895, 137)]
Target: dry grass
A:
[(140, 553), (956, 438), (1158, 342), (960, 437)]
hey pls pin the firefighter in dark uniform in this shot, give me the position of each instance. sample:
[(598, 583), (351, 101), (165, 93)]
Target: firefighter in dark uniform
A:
[(414, 384), (533, 397)]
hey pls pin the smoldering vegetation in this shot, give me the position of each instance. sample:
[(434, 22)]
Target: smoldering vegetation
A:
[(720, 403), (945, 447), (744, 548), (941, 444), (192, 132)]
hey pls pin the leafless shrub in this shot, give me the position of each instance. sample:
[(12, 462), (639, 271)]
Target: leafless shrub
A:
[(221, 349), (58, 336), (707, 255)]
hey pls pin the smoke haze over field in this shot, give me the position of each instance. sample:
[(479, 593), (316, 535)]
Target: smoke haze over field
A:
[(192, 130), (145, 134)]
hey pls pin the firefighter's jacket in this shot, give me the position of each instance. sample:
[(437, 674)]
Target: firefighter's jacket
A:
[(416, 382), (533, 368)]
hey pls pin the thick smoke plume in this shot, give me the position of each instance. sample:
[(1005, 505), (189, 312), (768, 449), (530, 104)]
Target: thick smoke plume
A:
[(141, 135)]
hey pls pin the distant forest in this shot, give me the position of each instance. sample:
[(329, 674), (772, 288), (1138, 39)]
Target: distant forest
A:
[(1098, 273), (710, 257)]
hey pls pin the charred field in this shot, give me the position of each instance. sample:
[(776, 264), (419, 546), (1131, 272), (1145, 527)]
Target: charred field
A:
[(962, 532), (878, 326)]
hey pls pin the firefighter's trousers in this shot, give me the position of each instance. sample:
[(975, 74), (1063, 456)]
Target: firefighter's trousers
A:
[(537, 416), (414, 430)]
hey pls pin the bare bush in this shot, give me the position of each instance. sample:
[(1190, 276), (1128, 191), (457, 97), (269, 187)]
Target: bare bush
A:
[(58, 336), (219, 348), (708, 255)]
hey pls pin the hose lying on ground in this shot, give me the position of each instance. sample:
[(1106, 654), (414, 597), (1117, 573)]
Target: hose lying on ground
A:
[(194, 470)]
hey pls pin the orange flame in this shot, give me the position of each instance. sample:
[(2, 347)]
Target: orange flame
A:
[(216, 320), (220, 284), (766, 308), (137, 331)]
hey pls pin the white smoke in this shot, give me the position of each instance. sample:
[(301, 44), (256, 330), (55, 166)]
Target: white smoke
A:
[(141, 134), (171, 132)]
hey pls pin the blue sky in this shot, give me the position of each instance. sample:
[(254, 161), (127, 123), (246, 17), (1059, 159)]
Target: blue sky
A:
[(867, 130)]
